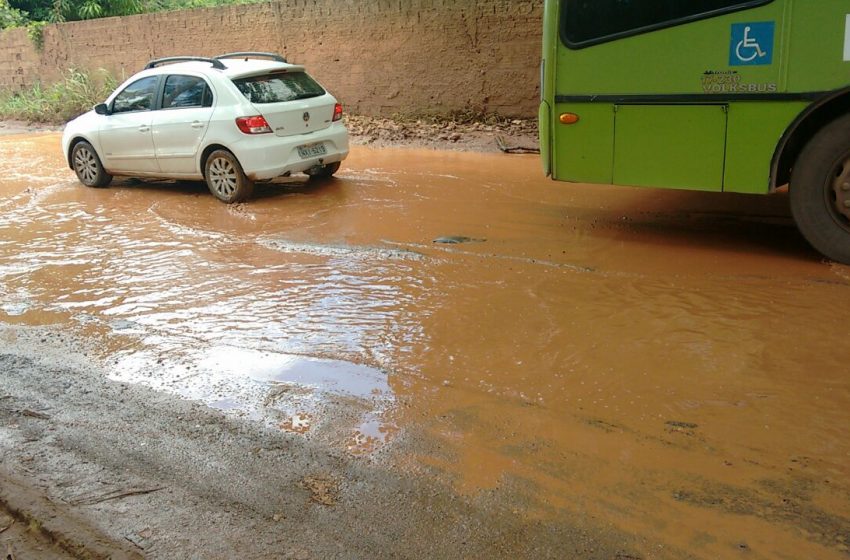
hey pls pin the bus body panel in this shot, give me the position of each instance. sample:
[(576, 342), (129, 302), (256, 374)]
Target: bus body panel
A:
[(817, 60), (673, 60), (678, 146), (544, 119), (690, 64), (584, 152), (754, 131), (547, 87)]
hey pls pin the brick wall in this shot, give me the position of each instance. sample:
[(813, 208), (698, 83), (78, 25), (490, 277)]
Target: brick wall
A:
[(378, 56)]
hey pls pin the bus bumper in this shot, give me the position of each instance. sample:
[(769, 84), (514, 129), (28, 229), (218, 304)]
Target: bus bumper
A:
[(544, 126)]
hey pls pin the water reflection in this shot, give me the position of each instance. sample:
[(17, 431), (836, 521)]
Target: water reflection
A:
[(201, 299), (555, 356), (287, 391)]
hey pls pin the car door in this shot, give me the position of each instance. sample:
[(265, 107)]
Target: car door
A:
[(180, 125), (125, 134)]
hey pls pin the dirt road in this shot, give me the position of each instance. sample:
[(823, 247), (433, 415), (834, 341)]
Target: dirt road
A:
[(569, 372)]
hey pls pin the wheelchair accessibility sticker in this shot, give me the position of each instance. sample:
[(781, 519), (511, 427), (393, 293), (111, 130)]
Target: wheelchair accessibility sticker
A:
[(752, 44)]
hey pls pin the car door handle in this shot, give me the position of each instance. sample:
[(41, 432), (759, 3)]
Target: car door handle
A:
[(144, 128), (197, 124)]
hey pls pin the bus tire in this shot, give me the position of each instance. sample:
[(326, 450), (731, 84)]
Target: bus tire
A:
[(820, 191)]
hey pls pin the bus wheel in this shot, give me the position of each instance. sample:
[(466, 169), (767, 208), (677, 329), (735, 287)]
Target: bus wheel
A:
[(820, 191)]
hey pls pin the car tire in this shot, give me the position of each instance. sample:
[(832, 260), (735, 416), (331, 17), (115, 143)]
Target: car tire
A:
[(226, 179), (87, 166), (324, 171), (820, 191)]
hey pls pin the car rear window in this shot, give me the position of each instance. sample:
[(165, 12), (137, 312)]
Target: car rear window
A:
[(278, 87)]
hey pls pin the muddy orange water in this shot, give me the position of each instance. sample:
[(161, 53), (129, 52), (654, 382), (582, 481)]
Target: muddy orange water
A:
[(671, 364)]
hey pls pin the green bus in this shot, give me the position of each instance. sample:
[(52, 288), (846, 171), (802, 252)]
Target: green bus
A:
[(742, 96)]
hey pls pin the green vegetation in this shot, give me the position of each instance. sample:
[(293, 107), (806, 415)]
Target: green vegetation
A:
[(21, 13), (9, 16), (35, 31), (76, 93)]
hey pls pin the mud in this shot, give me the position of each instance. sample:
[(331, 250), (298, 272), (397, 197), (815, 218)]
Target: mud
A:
[(463, 133), (34, 528), (643, 373), (177, 479)]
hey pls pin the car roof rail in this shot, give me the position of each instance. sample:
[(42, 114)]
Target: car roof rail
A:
[(156, 62), (274, 56)]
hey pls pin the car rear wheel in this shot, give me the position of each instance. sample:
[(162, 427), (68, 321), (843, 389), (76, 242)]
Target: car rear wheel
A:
[(88, 167), (226, 179), (324, 171), (820, 191)]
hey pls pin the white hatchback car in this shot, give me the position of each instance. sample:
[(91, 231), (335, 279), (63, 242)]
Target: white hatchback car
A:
[(229, 120)]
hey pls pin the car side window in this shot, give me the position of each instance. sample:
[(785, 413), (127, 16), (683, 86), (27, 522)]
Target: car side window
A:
[(186, 91), (138, 96)]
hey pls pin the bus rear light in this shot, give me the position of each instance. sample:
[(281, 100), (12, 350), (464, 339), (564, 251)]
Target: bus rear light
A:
[(568, 118)]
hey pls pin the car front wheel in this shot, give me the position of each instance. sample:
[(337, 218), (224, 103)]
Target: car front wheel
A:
[(88, 167), (226, 179)]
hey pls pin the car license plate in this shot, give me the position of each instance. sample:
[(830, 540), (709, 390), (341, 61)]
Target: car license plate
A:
[(311, 150)]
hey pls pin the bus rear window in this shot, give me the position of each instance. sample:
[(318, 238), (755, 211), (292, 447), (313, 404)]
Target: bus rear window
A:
[(278, 87), (587, 22)]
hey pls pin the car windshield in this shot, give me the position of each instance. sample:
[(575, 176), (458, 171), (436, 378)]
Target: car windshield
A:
[(278, 87)]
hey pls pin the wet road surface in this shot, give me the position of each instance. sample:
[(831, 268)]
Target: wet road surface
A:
[(667, 363)]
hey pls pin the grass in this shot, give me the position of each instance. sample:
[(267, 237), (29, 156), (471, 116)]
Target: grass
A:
[(77, 92)]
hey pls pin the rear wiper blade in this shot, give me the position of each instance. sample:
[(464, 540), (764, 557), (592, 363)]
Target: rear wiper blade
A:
[(306, 96)]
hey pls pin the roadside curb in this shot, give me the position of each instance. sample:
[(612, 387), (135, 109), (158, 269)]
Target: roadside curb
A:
[(57, 524)]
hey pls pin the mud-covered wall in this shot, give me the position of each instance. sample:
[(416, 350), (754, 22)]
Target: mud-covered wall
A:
[(379, 57)]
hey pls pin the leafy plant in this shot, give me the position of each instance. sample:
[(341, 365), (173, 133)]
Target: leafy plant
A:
[(35, 32), (17, 13), (74, 94), (10, 17)]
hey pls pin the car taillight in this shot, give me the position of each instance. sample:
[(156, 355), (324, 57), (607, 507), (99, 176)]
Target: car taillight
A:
[(253, 125), (337, 112)]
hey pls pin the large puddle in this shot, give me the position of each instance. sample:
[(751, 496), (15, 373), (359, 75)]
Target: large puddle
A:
[(669, 363)]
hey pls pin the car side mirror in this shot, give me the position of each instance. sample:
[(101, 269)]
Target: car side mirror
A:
[(101, 109)]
